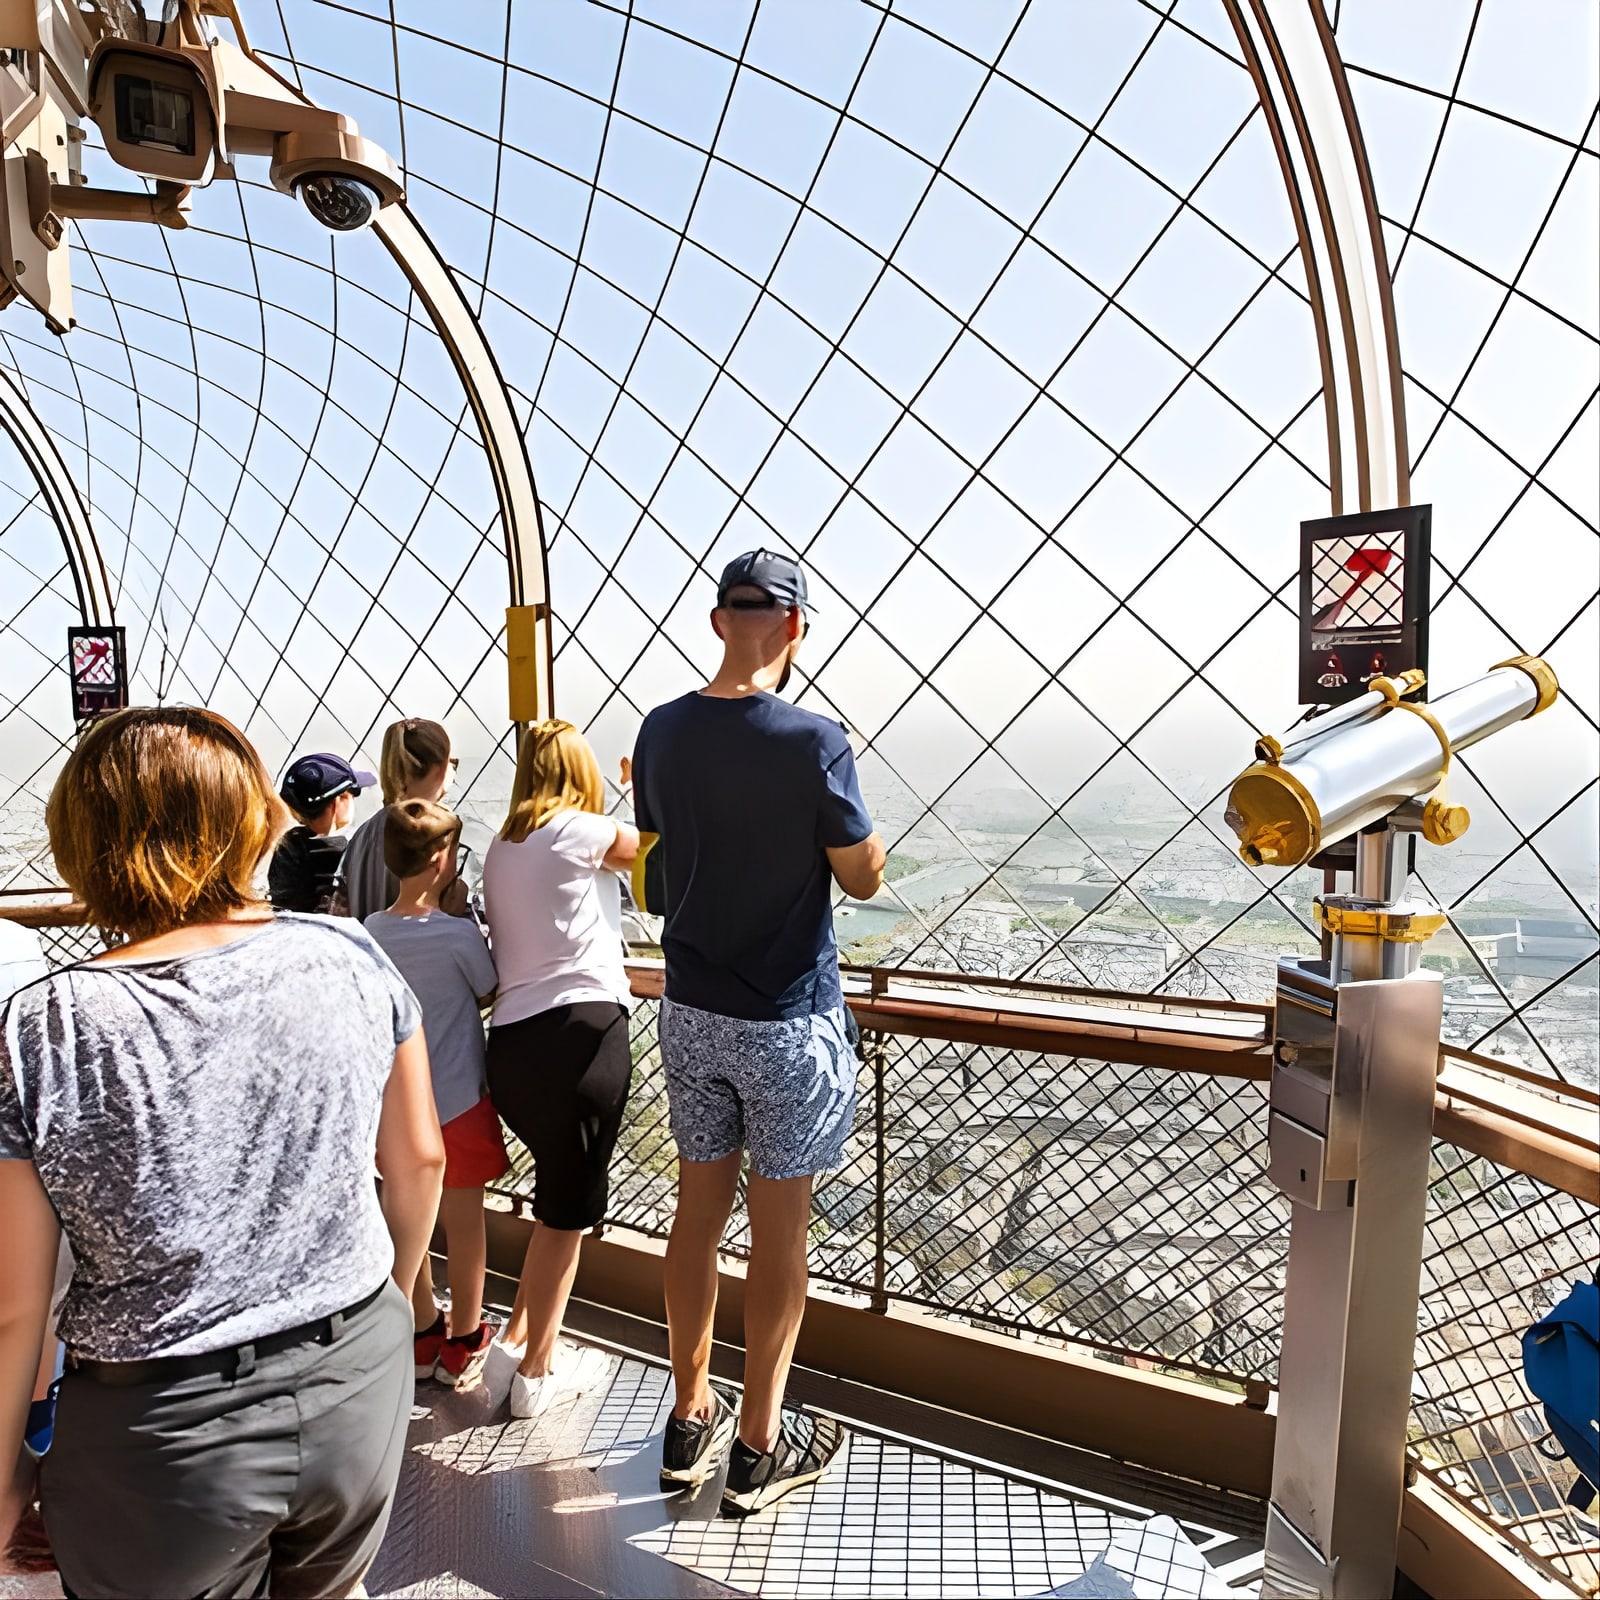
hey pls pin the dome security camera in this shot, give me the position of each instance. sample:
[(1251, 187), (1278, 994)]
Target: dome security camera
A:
[(338, 201), (342, 179)]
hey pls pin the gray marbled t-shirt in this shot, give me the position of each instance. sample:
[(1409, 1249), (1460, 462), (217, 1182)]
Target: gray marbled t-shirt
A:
[(205, 1127)]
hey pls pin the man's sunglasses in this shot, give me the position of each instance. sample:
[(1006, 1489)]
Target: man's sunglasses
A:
[(769, 603)]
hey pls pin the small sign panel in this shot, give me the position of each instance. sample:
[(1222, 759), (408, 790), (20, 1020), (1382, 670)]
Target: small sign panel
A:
[(99, 661), (1363, 601)]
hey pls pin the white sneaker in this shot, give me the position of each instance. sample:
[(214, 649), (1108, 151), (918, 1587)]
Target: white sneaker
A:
[(574, 1370)]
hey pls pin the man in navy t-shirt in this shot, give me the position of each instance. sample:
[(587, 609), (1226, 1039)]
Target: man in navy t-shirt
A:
[(758, 814)]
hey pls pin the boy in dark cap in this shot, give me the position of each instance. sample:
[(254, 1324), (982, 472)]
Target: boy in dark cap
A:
[(321, 790)]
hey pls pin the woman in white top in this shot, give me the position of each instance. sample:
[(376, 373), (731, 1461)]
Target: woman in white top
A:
[(559, 1062)]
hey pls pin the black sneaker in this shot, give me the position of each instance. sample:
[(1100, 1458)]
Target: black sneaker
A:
[(692, 1450), (806, 1447)]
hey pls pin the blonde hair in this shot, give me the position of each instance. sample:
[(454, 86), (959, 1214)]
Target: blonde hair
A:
[(413, 832), (161, 817), (556, 771), (411, 750)]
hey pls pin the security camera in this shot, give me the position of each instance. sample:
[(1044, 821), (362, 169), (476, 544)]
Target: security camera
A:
[(156, 108), (337, 202), (341, 178), (175, 102)]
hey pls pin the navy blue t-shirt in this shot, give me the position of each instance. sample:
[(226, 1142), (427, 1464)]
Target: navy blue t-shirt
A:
[(746, 795)]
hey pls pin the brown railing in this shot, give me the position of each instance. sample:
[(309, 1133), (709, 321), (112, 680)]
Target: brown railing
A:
[(1089, 1168)]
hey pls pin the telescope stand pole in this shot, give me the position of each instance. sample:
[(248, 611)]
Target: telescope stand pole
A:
[(1350, 1133)]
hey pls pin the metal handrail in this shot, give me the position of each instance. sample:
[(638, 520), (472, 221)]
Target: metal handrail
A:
[(1496, 1109)]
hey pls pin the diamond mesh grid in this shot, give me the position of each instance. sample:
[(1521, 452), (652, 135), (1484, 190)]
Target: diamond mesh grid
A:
[(998, 323), (756, 289), (287, 487), (35, 709), (1481, 128), (68, 942)]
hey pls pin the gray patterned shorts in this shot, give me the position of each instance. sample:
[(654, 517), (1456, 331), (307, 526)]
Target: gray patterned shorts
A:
[(784, 1091)]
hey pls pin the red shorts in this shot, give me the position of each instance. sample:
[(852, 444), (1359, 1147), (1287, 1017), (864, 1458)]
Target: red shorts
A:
[(474, 1148)]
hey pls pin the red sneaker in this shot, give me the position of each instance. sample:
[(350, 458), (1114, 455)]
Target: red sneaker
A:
[(460, 1362), (425, 1348)]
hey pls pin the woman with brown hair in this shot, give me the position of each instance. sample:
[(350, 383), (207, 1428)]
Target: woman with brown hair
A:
[(199, 1111), (559, 1061), (415, 764)]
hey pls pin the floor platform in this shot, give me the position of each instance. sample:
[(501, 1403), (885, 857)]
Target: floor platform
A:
[(572, 1505)]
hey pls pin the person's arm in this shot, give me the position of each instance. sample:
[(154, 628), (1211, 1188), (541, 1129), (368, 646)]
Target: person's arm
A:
[(410, 1157), (477, 967), (856, 855), (29, 1243), (620, 857), (858, 868)]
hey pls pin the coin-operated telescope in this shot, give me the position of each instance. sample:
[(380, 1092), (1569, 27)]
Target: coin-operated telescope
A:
[(1355, 1055), (175, 102)]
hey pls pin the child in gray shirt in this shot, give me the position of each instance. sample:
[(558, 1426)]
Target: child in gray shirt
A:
[(447, 964)]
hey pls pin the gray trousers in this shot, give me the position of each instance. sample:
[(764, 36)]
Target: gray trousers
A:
[(275, 1483)]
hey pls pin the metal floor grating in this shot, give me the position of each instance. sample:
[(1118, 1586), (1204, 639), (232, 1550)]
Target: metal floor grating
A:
[(571, 1505)]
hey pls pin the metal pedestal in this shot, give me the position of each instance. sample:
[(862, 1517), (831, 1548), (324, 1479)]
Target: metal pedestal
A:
[(1355, 1060)]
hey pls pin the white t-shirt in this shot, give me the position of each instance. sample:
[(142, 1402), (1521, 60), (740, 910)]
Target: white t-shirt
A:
[(555, 917)]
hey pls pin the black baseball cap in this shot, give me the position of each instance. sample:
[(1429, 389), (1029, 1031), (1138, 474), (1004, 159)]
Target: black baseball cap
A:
[(312, 781), (779, 576)]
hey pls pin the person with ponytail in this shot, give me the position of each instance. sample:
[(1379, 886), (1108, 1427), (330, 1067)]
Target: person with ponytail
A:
[(415, 764), (558, 1057)]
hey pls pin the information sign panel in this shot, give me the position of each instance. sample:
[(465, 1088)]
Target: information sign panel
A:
[(1363, 601), (98, 658)]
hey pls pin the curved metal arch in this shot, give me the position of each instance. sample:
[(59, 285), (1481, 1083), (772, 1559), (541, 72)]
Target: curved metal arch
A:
[(66, 505), (527, 558), (1290, 50)]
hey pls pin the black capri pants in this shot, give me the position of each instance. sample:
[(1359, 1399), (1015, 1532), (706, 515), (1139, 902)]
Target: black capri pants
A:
[(559, 1080)]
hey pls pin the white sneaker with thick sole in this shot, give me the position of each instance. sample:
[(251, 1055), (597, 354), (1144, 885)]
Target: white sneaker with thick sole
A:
[(575, 1369)]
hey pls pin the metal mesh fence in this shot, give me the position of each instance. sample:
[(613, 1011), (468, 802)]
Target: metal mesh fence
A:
[(1502, 1248), (1127, 1210), (66, 944)]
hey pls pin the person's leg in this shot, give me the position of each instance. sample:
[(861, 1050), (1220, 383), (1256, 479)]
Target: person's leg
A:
[(548, 1269), (774, 1300), (353, 1400), (797, 1081), (708, 1129), (424, 1310), (585, 1067), (466, 1252), (706, 1191)]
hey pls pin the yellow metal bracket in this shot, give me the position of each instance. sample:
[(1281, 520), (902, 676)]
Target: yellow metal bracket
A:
[(1395, 927), (1442, 823), (647, 843)]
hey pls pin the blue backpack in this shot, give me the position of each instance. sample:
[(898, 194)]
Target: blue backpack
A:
[(1561, 1359)]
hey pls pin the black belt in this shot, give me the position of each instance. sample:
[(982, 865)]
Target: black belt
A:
[(239, 1361)]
